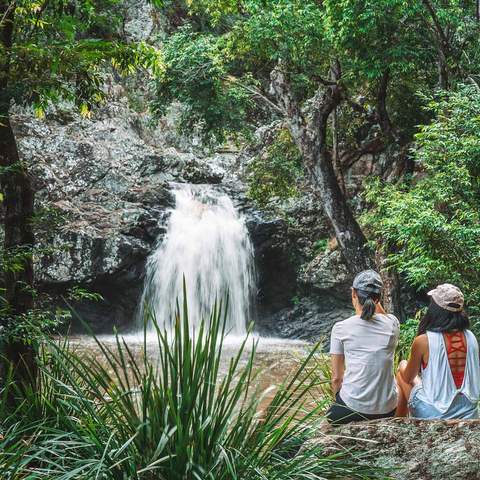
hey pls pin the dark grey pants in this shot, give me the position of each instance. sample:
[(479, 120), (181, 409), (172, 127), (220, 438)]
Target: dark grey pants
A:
[(340, 414)]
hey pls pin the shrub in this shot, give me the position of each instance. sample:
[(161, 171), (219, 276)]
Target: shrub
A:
[(408, 332), (431, 226)]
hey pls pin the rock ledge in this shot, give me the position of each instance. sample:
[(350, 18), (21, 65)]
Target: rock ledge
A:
[(413, 449)]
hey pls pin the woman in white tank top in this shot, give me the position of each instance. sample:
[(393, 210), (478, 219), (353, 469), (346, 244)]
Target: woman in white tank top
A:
[(446, 355)]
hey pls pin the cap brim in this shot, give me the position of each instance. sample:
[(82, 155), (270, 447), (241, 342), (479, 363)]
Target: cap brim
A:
[(431, 292)]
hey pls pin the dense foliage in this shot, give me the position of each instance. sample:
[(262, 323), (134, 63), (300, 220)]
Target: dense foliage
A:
[(59, 50), (275, 173), (218, 63), (344, 77), (432, 223)]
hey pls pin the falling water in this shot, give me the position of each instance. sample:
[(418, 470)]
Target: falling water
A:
[(207, 243)]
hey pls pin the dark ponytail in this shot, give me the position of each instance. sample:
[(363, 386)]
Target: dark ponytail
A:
[(368, 301)]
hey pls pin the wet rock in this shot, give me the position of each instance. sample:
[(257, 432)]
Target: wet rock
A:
[(308, 284), (277, 280), (109, 188), (309, 318), (326, 271), (412, 449)]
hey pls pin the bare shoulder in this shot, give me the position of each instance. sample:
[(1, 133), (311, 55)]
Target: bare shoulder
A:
[(421, 343)]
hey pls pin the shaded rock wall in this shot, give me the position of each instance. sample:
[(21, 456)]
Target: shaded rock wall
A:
[(304, 274)]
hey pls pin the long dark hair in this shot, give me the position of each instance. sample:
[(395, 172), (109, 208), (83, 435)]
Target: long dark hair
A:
[(437, 319), (368, 301)]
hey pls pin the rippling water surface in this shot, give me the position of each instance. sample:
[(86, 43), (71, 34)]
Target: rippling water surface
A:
[(275, 358)]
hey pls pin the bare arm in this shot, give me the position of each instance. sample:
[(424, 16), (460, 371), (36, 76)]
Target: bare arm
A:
[(338, 369), (417, 353)]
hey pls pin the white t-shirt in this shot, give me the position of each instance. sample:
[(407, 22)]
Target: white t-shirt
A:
[(368, 345)]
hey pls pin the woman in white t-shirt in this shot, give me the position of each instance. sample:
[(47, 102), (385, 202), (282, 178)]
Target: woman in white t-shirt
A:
[(362, 351)]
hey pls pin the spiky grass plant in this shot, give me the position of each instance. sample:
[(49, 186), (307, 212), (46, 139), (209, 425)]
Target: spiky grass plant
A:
[(172, 417), (319, 367)]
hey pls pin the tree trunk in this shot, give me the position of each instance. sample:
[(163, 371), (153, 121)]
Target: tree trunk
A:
[(18, 207), (19, 239), (310, 136), (443, 46), (349, 235), (391, 287), (337, 164), (443, 81), (382, 112), (319, 164)]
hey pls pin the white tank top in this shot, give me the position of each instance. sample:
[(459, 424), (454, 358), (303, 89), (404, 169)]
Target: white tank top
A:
[(439, 387)]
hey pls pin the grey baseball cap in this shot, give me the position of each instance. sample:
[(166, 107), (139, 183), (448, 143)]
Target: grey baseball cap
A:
[(448, 296), (368, 281)]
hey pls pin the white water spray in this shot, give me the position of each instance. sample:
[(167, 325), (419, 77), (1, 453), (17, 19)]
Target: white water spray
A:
[(207, 243)]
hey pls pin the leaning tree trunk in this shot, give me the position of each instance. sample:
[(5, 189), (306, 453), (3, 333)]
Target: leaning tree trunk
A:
[(310, 136), (350, 237)]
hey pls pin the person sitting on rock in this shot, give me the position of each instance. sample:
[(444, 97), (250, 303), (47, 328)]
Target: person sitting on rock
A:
[(362, 352), (446, 354)]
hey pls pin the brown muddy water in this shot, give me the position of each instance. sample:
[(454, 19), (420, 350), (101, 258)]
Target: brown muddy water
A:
[(275, 359)]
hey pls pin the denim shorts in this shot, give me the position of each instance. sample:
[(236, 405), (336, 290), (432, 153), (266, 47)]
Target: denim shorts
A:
[(461, 407)]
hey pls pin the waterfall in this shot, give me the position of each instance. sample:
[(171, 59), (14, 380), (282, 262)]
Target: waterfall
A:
[(206, 242)]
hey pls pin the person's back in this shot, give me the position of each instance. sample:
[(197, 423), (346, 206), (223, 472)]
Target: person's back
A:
[(456, 345), (451, 375), (362, 350), (369, 346), (446, 354)]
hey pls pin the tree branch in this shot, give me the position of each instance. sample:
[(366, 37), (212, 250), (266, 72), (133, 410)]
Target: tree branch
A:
[(443, 45), (436, 22), (280, 87), (382, 112), (5, 11), (256, 93), (349, 158), (327, 99)]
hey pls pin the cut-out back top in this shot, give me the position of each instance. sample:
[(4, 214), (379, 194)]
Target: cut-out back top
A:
[(453, 367)]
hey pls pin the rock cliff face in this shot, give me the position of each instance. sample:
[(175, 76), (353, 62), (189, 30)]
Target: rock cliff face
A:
[(107, 180), (104, 189)]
